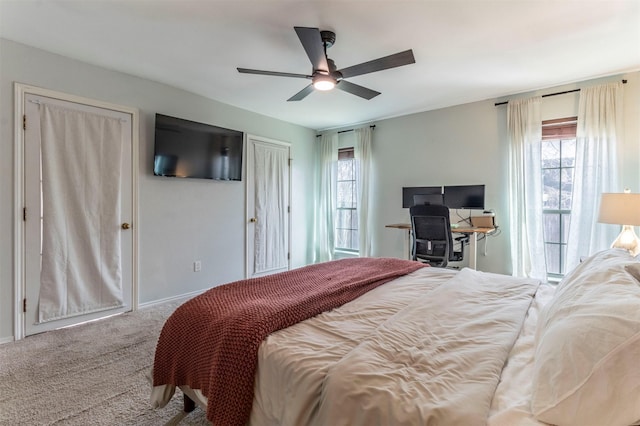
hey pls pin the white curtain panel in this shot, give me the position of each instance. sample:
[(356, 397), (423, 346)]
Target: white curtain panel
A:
[(596, 171), (81, 159), (525, 188), (325, 197), (362, 153), (270, 205)]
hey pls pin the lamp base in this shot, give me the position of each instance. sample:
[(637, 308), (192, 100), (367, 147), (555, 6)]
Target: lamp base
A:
[(628, 240)]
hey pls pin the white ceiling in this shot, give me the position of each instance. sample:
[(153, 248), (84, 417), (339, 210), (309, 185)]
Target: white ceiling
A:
[(465, 50)]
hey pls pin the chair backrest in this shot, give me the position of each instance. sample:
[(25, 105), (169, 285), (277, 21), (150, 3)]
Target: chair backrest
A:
[(432, 239)]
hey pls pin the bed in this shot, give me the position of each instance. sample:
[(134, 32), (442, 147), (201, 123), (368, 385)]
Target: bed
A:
[(430, 346)]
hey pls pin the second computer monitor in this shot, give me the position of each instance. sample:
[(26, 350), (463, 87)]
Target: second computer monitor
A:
[(464, 197)]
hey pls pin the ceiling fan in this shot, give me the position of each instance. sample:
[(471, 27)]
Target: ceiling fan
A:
[(325, 75)]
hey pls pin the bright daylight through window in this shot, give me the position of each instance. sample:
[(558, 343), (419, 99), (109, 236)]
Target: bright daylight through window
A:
[(347, 204), (558, 163)]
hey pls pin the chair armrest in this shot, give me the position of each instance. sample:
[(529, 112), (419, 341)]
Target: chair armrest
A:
[(463, 238)]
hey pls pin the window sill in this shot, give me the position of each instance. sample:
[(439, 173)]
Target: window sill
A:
[(554, 280), (344, 254)]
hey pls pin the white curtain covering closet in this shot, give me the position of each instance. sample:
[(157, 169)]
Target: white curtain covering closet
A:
[(271, 199), (82, 270), (596, 170), (525, 188)]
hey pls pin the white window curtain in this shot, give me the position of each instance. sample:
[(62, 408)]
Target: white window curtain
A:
[(81, 266), (525, 188), (271, 197), (596, 171), (362, 153), (325, 200)]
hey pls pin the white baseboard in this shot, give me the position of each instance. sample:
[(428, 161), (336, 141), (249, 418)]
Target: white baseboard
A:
[(181, 297), (4, 340)]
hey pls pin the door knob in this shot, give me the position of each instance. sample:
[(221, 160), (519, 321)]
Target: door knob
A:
[(253, 220), (126, 225)]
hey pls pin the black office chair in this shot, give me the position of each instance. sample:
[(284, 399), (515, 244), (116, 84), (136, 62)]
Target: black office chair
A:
[(433, 242)]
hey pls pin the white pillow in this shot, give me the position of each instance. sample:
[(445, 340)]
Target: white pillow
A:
[(587, 361)]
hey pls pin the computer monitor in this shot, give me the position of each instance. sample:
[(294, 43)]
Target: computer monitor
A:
[(421, 199), (464, 197), (409, 192)]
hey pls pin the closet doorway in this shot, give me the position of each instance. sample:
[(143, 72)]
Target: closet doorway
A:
[(268, 206), (76, 202)]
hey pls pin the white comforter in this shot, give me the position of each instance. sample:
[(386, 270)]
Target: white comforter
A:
[(429, 350), (296, 363)]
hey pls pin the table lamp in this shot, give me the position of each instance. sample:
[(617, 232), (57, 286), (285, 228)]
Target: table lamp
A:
[(622, 209)]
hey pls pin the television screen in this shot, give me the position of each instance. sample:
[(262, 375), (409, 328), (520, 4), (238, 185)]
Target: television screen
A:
[(409, 192), (196, 150), (464, 197)]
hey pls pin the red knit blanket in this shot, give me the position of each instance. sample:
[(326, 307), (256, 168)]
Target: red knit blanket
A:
[(211, 342)]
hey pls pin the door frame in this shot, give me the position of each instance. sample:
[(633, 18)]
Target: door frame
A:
[(248, 215), (19, 240)]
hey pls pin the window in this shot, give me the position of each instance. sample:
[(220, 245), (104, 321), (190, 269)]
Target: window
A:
[(558, 154), (347, 202)]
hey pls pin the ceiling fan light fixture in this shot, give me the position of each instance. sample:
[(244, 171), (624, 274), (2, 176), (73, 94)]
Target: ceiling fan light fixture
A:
[(324, 82), (325, 74)]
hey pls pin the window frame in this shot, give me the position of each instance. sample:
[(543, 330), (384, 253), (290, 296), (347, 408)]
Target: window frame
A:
[(561, 130), (347, 154)]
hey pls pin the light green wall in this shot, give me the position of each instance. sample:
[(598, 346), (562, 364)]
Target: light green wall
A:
[(464, 144), (467, 144), (180, 220)]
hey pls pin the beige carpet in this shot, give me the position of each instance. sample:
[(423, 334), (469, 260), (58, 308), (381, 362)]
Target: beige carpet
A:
[(92, 374)]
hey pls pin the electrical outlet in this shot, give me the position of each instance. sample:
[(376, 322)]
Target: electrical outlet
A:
[(197, 266)]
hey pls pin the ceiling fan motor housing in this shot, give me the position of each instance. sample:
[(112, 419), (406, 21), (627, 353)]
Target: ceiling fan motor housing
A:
[(328, 38)]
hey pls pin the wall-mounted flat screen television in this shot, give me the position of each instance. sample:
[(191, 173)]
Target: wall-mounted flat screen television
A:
[(189, 149), (464, 197)]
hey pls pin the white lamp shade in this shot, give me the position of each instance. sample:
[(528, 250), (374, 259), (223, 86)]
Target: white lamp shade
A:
[(620, 209)]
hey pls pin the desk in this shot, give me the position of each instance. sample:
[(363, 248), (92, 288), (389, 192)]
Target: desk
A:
[(473, 239), (407, 237)]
